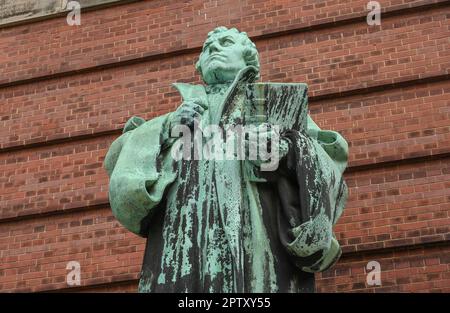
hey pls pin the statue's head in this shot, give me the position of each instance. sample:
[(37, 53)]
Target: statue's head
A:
[(225, 52)]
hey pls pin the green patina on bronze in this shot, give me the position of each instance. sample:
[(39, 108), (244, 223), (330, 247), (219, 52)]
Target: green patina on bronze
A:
[(226, 225)]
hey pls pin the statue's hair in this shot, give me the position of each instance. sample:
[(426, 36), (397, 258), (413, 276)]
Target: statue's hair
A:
[(250, 53)]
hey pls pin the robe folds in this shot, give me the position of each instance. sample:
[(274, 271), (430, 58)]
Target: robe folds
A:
[(211, 226)]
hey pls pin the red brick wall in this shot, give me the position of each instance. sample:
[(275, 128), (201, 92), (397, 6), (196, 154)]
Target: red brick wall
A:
[(65, 93)]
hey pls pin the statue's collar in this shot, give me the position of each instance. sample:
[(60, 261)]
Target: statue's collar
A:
[(191, 91)]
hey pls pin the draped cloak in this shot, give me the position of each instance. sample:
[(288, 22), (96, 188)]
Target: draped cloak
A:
[(211, 226)]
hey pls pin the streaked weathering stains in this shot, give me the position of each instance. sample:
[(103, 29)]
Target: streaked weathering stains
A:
[(225, 225)]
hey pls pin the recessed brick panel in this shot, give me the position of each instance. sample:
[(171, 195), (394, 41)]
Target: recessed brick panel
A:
[(392, 124), (396, 206), (156, 27), (417, 270), (34, 253)]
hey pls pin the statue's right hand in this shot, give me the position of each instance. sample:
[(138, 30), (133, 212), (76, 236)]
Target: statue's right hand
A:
[(187, 113)]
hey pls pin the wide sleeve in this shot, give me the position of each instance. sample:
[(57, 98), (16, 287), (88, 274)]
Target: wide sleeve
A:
[(140, 170), (312, 194)]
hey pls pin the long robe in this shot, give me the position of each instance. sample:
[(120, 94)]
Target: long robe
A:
[(211, 226)]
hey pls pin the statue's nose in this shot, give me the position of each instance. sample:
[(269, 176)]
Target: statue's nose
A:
[(214, 47)]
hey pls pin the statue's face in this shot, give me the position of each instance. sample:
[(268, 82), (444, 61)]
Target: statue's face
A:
[(222, 58)]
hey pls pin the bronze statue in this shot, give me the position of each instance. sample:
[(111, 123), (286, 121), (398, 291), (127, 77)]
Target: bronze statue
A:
[(214, 223)]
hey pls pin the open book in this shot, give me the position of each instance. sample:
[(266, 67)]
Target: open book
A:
[(285, 105)]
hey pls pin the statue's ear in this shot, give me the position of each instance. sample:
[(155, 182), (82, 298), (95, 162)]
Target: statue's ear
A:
[(250, 56)]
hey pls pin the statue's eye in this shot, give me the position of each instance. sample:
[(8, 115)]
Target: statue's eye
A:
[(227, 42)]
